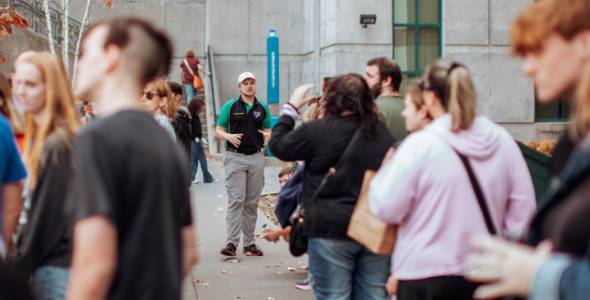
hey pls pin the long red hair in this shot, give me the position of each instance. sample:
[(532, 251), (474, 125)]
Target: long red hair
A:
[(60, 109)]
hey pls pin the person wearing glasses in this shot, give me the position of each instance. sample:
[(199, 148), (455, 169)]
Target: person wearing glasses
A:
[(155, 98)]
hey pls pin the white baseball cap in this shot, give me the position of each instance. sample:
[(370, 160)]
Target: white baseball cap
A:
[(245, 76)]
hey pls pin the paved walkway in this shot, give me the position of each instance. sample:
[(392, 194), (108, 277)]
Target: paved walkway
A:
[(270, 277)]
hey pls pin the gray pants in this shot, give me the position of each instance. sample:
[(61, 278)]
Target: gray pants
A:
[(244, 180)]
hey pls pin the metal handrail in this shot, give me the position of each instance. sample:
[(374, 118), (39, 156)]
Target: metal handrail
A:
[(34, 12), (214, 106)]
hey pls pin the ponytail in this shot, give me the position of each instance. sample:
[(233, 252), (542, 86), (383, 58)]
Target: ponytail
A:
[(461, 98), (451, 82)]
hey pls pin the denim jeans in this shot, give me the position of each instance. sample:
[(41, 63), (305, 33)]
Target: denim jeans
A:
[(189, 91), (343, 269), (198, 156), (50, 283)]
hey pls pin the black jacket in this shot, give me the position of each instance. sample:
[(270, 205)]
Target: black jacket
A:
[(196, 127), (564, 148), (182, 128), (321, 145), (574, 185)]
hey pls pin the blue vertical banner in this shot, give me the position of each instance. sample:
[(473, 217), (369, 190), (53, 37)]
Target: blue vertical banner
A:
[(273, 83)]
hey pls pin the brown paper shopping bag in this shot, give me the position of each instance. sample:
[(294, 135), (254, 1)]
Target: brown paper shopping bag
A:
[(366, 229)]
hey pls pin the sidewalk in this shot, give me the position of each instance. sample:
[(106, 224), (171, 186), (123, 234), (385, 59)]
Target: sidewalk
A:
[(270, 277)]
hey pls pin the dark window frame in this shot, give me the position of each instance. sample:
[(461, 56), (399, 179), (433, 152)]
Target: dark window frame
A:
[(417, 26)]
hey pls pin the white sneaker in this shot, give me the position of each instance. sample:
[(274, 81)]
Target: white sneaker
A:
[(195, 181)]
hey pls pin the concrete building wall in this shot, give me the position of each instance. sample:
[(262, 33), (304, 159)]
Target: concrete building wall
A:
[(345, 45), (236, 30), (321, 38), (20, 41), (476, 32)]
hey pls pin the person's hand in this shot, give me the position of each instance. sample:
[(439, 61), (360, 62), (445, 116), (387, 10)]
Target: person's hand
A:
[(299, 97), (505, 268), (234, 139), (271, 235), (391, 285), (265, 135)]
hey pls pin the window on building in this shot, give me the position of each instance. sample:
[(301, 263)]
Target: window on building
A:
[(555, 111), (417, 38)]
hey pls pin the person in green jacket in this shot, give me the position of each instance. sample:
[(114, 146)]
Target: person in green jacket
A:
[(384, 77)]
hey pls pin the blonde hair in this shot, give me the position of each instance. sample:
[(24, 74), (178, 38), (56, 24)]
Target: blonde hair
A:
[(163, 90), (580, 110), (462, 95), (415, 93), (451, 82), (61, 115)]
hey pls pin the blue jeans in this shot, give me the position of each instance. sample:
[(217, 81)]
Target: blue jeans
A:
[(50, 283), (198, 156), (343, 269), (189, 91)]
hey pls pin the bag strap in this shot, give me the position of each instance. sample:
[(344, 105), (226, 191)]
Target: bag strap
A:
[(331, 171), (478, 194), (189, 68)]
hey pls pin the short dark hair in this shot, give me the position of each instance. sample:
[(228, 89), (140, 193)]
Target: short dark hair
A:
[(196, 105), (175, 87), (150, 48), (387, 68)]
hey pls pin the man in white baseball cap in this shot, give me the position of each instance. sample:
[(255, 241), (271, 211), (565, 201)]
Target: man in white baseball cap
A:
[(244, 123), (246, 75)]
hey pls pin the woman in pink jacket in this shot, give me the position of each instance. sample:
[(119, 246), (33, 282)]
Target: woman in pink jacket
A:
[(425, 189)]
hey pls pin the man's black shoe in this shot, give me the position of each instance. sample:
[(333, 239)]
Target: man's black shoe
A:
[(252, 250), (229, 250)]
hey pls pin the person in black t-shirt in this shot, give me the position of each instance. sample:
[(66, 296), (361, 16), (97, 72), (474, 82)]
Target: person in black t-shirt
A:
[(133, 233), (44, 244)]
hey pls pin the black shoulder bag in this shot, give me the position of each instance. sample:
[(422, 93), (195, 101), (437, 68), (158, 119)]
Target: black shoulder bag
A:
[(478, 194), (298, 239)]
